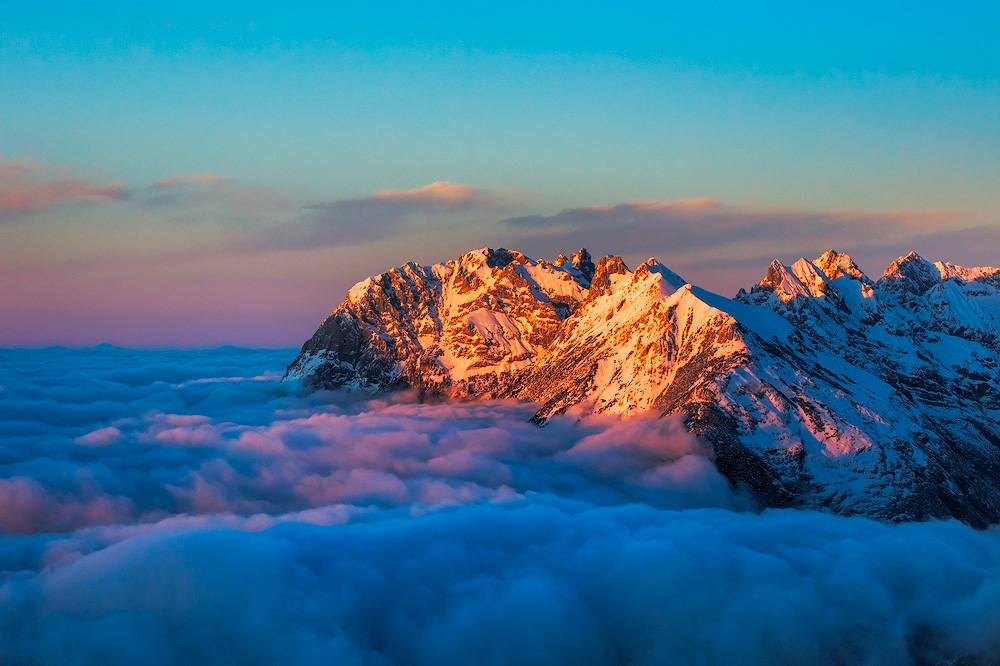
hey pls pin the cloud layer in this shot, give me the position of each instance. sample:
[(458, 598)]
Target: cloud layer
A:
[(141, 443), (182, 507), (533, 582)]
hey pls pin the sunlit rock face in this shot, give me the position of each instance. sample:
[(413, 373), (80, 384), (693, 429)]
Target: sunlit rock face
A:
[(448, 328), (820, 387)]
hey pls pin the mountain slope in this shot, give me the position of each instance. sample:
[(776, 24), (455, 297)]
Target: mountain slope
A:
[(819, 387)]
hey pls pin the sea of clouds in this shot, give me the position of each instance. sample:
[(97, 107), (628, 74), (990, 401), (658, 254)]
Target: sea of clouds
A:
[(185, 507)]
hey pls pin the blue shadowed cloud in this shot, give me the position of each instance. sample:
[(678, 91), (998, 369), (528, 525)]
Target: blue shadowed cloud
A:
[(182, 507)]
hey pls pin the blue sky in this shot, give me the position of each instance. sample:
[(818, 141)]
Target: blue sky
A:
[(874, 108)]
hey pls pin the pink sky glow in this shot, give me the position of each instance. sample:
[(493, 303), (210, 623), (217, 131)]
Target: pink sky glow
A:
[(225, 263)]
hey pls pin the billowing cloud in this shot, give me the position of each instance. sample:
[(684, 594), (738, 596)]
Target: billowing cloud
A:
[(141, 447), (183, 507), (27, 188)]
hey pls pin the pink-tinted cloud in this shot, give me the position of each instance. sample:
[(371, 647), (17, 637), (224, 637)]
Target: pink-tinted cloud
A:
[(698, 204), (148, 448), (439, 193), (27, 188), (100, 437), (380, 215), (26, 506)]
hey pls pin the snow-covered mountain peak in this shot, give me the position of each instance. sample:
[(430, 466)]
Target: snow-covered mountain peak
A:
[(912, 273), (784, 282), (608, 274), (811, 277), (669, 281), (581, 262), (839, 264), (818, 387), (950, 270)]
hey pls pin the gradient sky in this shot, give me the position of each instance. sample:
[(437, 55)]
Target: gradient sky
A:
[(222, 172)]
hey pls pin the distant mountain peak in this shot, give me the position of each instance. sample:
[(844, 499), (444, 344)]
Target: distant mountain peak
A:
[(839, 264), (912, 273), (670, 281), (949, 270), (606, 276), (782, 281)]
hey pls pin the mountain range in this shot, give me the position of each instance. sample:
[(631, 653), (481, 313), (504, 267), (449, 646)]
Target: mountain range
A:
[(819, 388)]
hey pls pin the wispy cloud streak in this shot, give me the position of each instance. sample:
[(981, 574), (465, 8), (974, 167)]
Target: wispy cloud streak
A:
[(699, 224), (722, 246), (27, 188), (378, 216)]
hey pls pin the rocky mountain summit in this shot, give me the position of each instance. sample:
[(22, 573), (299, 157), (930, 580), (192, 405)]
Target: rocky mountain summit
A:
[(819, 387)]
